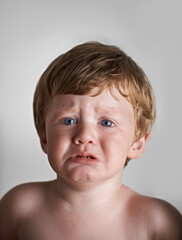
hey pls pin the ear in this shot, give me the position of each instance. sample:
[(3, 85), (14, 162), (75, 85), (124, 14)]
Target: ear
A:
[(43, 140), (138, 147)]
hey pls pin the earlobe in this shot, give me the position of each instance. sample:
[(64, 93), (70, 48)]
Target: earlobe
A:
[(43, 141), (138, 147)]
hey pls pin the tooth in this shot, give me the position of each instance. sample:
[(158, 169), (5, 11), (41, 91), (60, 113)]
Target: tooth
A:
[(84, 157)]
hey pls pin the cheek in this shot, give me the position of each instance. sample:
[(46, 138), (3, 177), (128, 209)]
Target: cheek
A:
[(117, 143), (56, 144), (57, 153)]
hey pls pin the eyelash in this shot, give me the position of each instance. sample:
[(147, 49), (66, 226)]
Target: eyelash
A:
[(70, 121), (111, 124)]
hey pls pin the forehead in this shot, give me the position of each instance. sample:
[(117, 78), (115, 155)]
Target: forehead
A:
[(104, 102)]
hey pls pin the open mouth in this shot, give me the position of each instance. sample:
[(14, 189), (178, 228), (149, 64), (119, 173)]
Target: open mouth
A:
[(84, 158), (90, 157)]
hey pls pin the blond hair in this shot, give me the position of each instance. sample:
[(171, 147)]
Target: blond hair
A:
[(92, 65)]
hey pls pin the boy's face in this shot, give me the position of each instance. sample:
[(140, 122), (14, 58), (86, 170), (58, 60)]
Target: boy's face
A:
[(89, 138)]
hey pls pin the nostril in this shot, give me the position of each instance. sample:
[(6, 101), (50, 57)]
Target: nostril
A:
[(84, 136), (83, 140), (78, 141)]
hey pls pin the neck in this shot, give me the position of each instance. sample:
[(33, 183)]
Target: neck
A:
[(90, 196)]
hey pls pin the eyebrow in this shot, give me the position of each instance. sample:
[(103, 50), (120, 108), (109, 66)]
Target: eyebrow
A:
[(107, 109), (98, 109)]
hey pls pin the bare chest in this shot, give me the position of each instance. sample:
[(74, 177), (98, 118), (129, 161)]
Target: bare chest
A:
[(46, 227)]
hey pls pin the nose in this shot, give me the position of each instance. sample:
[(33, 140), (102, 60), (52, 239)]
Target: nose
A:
[(85, 134)]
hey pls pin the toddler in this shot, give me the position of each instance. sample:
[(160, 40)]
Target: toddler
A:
[(93, 110)]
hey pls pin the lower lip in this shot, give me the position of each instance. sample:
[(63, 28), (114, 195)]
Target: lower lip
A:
[(84, 160)]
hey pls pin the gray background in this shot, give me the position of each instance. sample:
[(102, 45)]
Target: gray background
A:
[(34, 32)]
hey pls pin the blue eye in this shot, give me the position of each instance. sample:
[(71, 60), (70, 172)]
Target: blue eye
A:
[(69, 121), (107, 123)]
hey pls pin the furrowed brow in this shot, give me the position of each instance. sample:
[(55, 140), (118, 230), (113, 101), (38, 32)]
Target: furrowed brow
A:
[(108, 110)]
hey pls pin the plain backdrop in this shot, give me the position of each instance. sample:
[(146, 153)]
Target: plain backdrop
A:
[(33, 33)]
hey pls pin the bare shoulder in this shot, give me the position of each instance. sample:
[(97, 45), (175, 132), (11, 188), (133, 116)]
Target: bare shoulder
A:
[(17, 204), (165, 220), (23, 197), (159, 218)]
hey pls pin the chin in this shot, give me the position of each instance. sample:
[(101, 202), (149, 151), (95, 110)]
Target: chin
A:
[(82, 174)]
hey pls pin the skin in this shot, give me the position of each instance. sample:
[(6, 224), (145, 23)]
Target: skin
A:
[(87, 141)]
